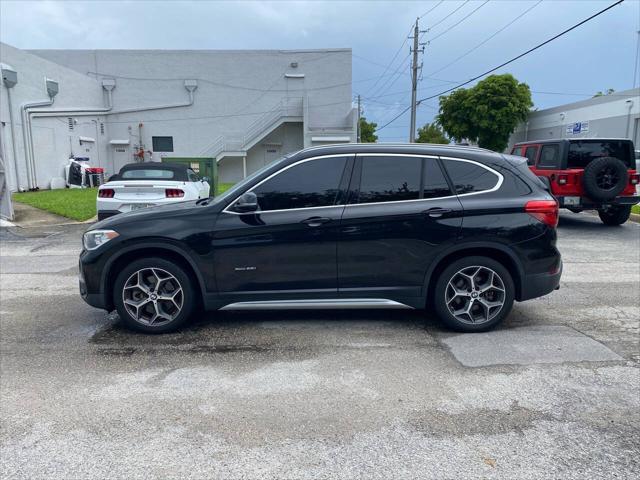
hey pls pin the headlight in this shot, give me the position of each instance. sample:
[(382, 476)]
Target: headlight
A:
[(95, 238)]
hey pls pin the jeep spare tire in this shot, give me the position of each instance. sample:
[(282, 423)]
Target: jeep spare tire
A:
[(605, 178)]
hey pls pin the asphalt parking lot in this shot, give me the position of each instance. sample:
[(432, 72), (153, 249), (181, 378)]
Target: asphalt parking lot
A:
[(553, 393)]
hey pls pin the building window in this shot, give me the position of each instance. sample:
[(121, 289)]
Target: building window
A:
[(162, 144)]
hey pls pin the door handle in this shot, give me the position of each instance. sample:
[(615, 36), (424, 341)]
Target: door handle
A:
[(316, 221), (437, 212)]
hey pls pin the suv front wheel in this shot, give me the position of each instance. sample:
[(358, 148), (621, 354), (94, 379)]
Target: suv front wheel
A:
[(615, 215), (474, 294), (153, 295)]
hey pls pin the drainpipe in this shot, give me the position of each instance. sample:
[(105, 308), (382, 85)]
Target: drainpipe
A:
[(10, 79), (52, 91), (630, 103), (108, 84)]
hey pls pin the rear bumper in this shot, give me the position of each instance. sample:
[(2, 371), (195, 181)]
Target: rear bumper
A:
[(538, 285), (586, 203)]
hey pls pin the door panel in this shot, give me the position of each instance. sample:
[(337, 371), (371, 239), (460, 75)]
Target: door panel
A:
[(399, 217), (388, 247), (277, 251), (288, 246)]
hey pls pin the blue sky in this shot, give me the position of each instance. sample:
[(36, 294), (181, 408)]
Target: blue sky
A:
[(597, 56)]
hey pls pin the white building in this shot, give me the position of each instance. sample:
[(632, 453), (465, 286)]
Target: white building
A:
[(614, 116), (241, 109)]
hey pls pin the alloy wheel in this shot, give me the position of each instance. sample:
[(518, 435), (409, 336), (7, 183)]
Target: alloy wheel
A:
[(475, 295), (607, 178), (153, 296)]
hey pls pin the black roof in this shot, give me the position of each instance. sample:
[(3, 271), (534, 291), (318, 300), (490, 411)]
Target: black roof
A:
[(475, 153), (179, 170)]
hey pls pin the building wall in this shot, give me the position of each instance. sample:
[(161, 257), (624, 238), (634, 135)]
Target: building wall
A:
[(234, 90), (616, 116), (53, 141)]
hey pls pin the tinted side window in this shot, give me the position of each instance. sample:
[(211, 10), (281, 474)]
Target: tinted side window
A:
[(549, 156), (581, 153), (517, 151), (390, 179), (434, 183), (470, 177), (531, 154), (309, 184)]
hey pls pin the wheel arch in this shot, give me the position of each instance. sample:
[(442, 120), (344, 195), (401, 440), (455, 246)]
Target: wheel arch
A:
[(499, 253), (146, 249)]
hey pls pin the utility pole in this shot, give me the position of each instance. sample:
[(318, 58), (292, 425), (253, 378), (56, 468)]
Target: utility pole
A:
[(417, 48), (359, 135)]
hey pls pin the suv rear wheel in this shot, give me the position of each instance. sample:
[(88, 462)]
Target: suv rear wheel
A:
[(153, 295), (615, 215), (474, 294)]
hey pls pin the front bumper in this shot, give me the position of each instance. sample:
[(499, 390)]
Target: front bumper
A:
[(88, 283), (538, 285)]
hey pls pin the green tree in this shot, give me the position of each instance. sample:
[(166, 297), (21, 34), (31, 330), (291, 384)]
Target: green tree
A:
[(431, 133), (368, 131), (609, 91), (487, 113)]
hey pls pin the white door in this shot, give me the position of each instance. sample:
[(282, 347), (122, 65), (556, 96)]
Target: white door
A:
[(121, 156)]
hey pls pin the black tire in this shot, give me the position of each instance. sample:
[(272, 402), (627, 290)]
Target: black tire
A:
[(495, 317), (615, 215), (150, 267), (605, 178)]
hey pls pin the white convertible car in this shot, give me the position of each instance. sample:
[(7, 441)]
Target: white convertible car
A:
[(141, 185)]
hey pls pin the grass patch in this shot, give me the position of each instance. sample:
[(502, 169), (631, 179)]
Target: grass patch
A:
[(223, 187), (636, 209), (75, 203)]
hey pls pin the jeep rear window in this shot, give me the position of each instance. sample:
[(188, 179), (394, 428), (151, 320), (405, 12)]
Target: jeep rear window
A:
[(581, 153)]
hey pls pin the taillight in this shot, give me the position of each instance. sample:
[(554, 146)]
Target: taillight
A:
[(634, 179), (173, 193), (544, 210), (106, 193)]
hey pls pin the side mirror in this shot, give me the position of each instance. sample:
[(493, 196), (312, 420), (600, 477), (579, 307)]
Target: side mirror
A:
[(248, 202), (205, 179)]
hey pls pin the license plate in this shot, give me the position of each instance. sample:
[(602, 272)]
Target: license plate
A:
[(572, 201), (138, 206)]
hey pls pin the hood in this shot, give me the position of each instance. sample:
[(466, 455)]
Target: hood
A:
[(149, 213)]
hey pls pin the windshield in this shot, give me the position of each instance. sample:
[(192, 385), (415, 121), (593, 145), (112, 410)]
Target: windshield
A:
[(240, 186)]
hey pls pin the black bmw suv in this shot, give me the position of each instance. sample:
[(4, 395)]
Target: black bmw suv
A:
[(461, 230)]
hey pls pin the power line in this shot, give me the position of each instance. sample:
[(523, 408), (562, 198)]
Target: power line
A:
[(459, 21), (431, 9), (588, 19), (447, 16), (393, 59), (527, 52), (488, 38)]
